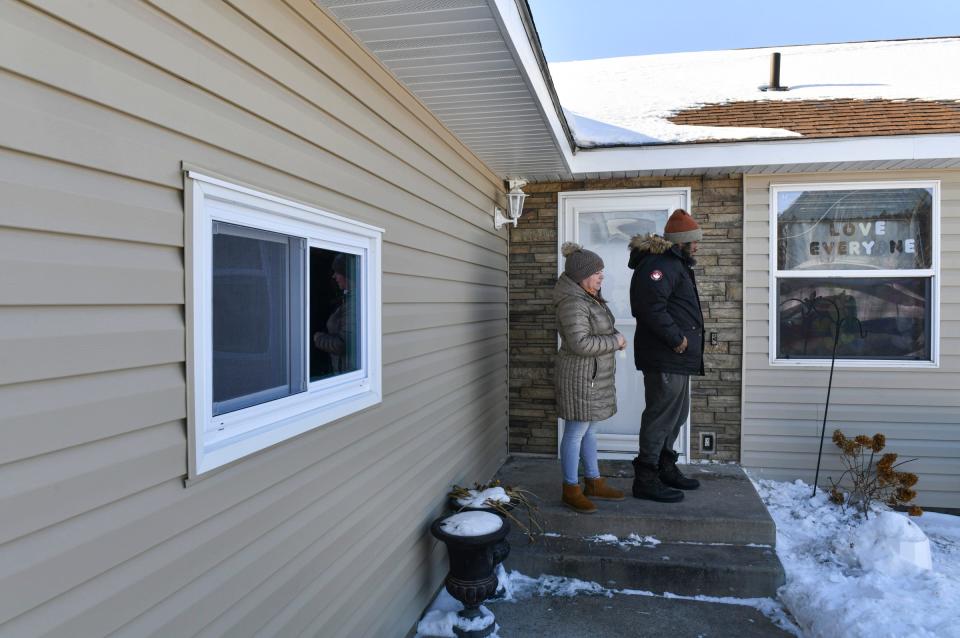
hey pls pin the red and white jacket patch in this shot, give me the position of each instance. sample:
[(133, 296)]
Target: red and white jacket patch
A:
[(656, 275)]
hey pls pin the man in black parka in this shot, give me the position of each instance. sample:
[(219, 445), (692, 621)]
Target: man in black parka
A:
[(668, 348)]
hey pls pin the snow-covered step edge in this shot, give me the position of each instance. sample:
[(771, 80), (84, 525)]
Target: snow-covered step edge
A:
[(682, 568)]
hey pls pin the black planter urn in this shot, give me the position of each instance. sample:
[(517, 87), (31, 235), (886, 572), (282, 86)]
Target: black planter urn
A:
[(472, 577)]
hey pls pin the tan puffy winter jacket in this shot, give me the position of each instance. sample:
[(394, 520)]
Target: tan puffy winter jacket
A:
[(586, 363)]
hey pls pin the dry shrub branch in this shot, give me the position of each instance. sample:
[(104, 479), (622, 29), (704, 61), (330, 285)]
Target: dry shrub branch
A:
[(871, 481), (519, 498)]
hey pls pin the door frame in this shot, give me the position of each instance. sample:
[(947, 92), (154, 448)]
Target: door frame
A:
[(613, 446)]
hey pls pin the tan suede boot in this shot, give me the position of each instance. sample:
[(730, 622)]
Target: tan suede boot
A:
[(574, 499), (598, 489)]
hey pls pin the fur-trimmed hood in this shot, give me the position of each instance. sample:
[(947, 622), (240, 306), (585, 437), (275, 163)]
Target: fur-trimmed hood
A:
[(650, 244), (641, 245)]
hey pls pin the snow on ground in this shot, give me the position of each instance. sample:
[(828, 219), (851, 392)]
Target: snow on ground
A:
[(520, 587), (634, 540), (626, 100), (516, 588), (851, 577), (441, 617), (889, 576)]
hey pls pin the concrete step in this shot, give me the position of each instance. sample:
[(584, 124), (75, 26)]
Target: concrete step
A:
[(678, 568), (718, 541), (725, 509), (628, 616)]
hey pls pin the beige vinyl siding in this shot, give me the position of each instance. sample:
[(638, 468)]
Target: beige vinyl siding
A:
[(918, 409), (324, 535)]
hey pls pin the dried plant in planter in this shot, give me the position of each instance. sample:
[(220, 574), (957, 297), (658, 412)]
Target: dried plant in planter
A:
[(872, 482), (503, 499)]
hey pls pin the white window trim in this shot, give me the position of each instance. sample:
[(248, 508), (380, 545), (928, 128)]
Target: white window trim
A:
[(218, 441), (933, 272)]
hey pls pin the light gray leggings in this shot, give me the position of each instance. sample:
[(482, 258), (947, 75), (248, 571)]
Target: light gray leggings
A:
[(579, 442)]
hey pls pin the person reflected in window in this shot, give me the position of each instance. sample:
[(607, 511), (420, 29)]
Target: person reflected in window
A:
[(337, 341)]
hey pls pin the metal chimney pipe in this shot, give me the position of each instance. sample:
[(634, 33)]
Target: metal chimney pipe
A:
[(775, 74)]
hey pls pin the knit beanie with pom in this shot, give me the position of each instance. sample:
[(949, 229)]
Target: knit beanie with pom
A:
[(681, 229), (579, 263)]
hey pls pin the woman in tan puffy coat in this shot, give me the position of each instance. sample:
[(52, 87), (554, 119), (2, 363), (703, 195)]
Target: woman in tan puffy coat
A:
[(584, 374)]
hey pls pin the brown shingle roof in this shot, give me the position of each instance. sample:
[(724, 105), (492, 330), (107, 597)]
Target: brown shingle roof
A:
[(831, 118)]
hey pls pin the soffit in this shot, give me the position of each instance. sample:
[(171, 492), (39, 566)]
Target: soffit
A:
[(455, 57)]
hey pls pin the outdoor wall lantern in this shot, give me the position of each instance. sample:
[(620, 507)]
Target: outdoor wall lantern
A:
[(515, 200)]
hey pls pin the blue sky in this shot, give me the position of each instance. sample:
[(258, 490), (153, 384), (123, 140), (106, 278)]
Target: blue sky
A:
[(586, 29)]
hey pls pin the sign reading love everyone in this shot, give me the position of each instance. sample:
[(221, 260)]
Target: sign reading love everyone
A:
[(861, 238)]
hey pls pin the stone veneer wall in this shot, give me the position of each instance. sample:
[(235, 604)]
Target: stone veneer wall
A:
[(718, 208)]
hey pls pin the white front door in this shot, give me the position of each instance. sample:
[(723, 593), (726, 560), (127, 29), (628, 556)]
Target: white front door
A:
[(604, 222)]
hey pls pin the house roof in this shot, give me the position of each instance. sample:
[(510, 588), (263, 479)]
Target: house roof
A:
[(478, 66), (830, 118), (848, 89)]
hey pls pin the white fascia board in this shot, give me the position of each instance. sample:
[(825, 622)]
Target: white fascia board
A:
[(806, 151), (516, 38)]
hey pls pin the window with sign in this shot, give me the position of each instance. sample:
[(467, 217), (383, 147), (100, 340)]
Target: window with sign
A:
[(866, 254)]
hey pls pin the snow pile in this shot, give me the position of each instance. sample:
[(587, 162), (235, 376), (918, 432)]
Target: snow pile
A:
[(480, 498), (471, 524), (627, 100), (943, 531), (891, 543), (634, 540), (441, 618), (849, 577)]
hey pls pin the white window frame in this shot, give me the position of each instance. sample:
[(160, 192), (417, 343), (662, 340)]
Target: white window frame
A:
[(215, 441), (933, 273)]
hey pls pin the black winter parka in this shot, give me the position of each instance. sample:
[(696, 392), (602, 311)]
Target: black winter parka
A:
[(666, 305)]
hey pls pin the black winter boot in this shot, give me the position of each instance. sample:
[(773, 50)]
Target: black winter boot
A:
[(671, 475), (646, 484)]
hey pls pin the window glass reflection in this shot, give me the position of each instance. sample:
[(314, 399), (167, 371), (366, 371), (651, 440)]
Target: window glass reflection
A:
[(255, 307), (334, 313), (895, 314)]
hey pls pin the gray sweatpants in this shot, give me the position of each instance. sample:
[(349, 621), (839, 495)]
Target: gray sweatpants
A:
[(668, 404)]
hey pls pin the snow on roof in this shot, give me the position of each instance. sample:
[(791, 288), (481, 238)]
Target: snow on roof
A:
[(627, 100)]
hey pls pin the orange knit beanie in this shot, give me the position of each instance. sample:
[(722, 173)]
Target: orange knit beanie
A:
[(681, 228)]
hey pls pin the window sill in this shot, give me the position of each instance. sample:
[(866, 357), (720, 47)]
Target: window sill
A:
[(290, 423), (846, 363)]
